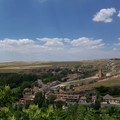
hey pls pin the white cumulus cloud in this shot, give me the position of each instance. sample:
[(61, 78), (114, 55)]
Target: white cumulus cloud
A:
[(87, 42), (104, 15), (15, 43), (51, 41)]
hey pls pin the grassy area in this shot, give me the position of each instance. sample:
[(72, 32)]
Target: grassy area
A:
[(107, 83), (23, 65)]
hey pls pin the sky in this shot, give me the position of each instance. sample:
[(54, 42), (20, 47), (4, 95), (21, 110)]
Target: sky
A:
[(59, 30)]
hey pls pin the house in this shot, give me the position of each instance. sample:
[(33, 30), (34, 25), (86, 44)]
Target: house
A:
[(55, 89), (94, 98), (73, 98), (107, 98), (28, 95), (39, 83), (83, 99), (71, 77), (110, 100), (47, 87), (60, 99), (28, 98), (35, 89), (73, 69), (20, 102), (54, 83), (27, 91), (24, 100), (67, 98)]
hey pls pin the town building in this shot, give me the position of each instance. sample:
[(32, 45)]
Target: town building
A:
[(83, 99), (94, 98), (110, 100), (100, 73), (71, 77)]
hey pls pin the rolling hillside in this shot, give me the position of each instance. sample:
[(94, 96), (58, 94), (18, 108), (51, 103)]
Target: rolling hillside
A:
[(29, 66), (111, 82)]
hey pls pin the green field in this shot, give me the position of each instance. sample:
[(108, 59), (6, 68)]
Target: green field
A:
[(107, 83)]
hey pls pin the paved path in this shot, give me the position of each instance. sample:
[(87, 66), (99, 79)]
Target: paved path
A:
[(75, 81)]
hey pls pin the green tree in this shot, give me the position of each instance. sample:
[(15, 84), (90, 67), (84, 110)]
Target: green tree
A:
[(39, 99), (33, 113), (81, 112), (5, 96), (97, 105), (6, 114)]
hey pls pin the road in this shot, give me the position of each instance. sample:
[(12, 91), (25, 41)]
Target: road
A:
[(75, 82)]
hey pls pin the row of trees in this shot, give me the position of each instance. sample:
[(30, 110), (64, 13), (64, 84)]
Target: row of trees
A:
[(76, 112), (102, 90), (16, 79), (8, 95)]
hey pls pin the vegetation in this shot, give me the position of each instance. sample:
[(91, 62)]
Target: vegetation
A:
[(113, 82), (114, 91), (14, 77), (73, 112)]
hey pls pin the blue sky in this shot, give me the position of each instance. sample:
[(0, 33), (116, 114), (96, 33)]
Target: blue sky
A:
[(38, 30)]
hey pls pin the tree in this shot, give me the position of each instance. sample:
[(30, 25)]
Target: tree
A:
[(5, 96), (81, 112), (51, 99), (32, 113), (97, 105), (6, 114), (39, 99), (91, 115)]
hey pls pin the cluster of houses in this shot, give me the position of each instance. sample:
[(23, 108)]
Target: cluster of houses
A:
[(60, 95), (82, 99), (65, 97), (30, 93), (72, 98)]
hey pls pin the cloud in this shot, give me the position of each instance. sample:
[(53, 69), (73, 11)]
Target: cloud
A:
[(104, 15), (15, 43), (83, 42), (119, 14), (51, 41), (56, 49), (87, 42)]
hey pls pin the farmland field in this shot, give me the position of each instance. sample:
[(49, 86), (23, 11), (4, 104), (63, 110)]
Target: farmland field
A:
[(29, 66)]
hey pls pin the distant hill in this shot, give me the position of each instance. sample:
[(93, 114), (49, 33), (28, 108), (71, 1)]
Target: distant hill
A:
[(38, 66)]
